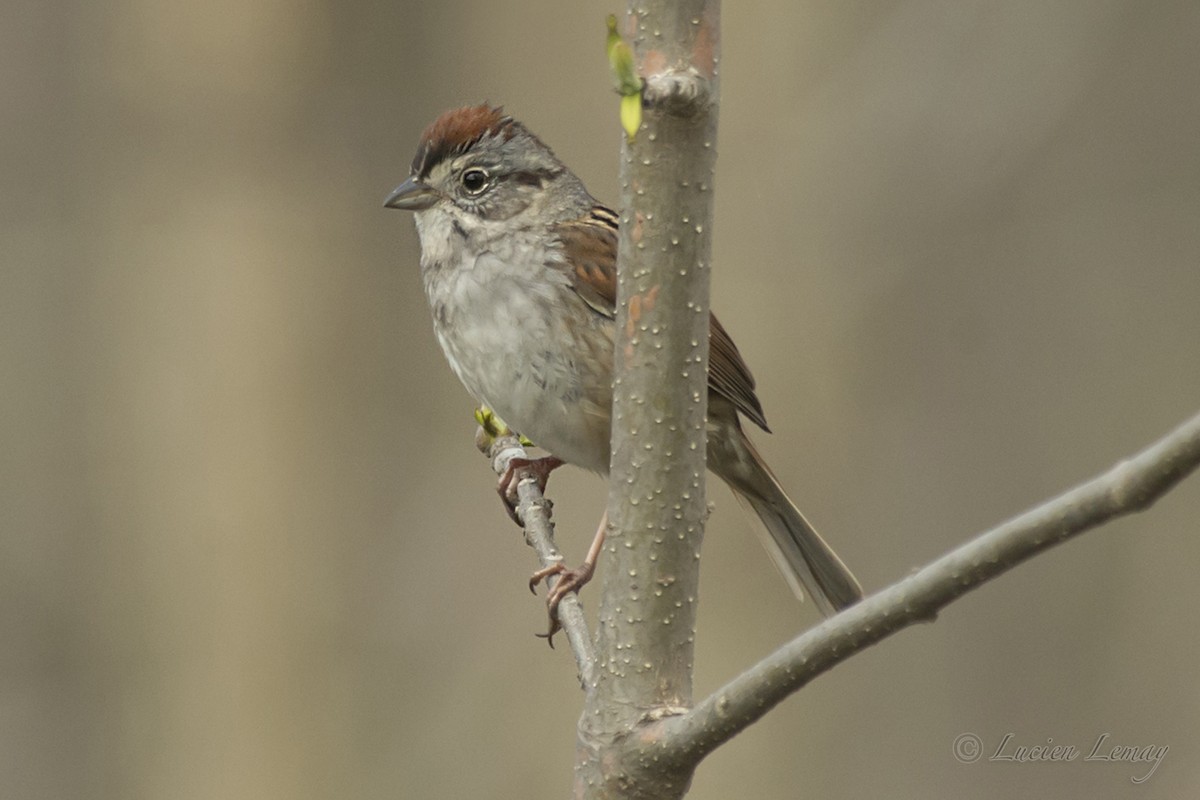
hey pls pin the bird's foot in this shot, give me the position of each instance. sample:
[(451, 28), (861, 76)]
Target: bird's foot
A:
[(569, 580), (507, 488)]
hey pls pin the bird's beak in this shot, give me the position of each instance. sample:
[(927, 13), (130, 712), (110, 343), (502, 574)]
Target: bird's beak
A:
[(412, 195)]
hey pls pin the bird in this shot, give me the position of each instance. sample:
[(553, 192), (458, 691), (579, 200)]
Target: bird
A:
[(518, 262)]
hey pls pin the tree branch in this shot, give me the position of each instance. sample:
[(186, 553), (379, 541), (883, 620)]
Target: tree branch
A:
[(1130, 486), (534, 511)]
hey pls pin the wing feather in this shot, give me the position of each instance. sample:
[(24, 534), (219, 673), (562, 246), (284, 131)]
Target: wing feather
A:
[(591, 243)]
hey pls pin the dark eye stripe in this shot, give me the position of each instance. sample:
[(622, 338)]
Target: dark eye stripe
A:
[(529, 179)]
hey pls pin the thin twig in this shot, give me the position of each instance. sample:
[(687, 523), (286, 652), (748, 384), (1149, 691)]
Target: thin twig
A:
[(534, 511), (1130, 486)]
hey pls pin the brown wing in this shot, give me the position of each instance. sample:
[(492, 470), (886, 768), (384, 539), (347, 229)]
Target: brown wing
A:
[(729, 376), (592, 243)]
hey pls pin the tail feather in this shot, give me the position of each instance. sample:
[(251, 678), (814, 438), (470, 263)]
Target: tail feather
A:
[(806, 561)]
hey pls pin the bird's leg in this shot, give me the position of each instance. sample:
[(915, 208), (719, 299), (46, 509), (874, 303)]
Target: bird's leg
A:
[(541, 469), (569, 580)]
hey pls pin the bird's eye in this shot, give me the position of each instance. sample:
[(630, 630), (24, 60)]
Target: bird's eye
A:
[(474, 180)]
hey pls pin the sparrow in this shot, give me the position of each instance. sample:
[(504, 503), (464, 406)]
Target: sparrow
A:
[(518, 262)]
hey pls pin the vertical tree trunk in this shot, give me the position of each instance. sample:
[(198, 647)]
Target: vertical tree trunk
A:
[(657, 503)]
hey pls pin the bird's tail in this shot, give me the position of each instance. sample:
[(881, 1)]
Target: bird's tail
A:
[(806, 561)]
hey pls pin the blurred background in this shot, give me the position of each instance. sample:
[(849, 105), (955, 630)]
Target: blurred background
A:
[(248, 549)]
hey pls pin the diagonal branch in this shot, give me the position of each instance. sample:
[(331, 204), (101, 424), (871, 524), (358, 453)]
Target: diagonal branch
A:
[(1130, 486), (534, 510)]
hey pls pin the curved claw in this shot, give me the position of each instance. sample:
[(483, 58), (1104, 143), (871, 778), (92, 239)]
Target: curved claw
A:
[(542, 574), (555, 627)]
